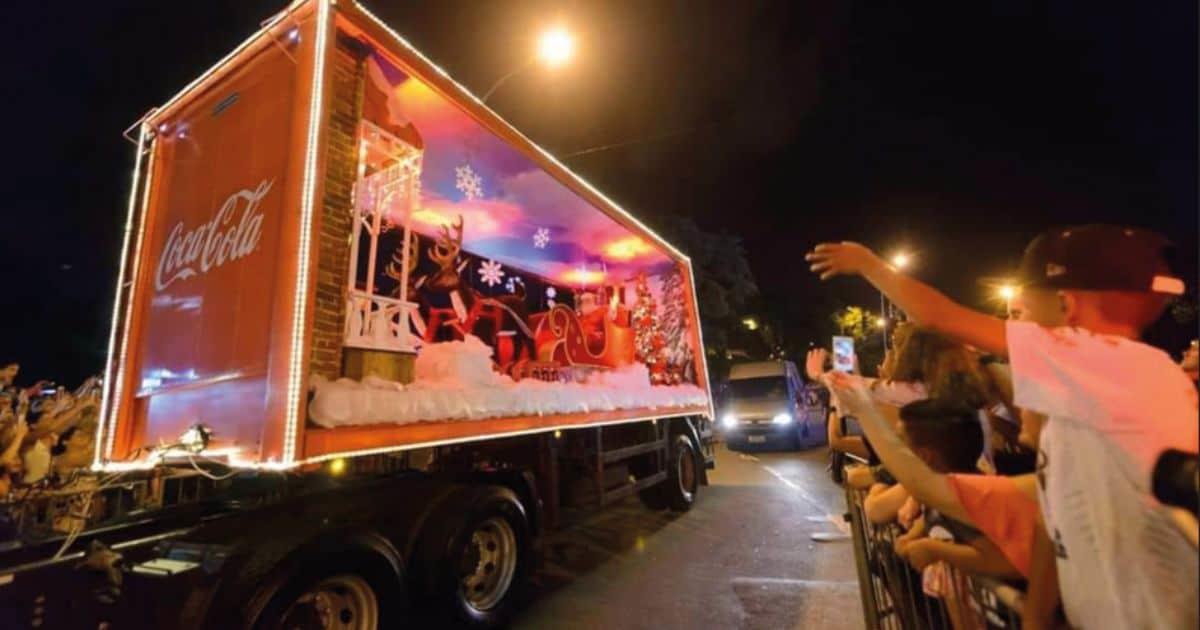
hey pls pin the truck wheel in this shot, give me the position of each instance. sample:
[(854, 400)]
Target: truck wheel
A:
[(683, 475), (486, 559), (338, 601), (329, 592)]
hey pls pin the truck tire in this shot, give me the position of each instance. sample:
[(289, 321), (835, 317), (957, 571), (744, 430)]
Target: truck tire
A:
[(479, 557), (678, 492), (349, 592)]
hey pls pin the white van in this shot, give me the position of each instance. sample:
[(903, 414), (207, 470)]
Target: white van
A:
[(766, 403)]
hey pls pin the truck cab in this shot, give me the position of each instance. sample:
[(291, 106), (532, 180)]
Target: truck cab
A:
[(766, 404)]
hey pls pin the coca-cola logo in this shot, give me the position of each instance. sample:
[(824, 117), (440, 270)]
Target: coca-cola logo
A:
[(227, 237)]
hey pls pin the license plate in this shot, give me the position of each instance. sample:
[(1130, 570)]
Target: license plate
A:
[(756, 439)]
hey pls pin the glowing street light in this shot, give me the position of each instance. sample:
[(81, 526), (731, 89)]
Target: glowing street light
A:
[(1007, 292), (899, 260), (750, 323), (555, 47)]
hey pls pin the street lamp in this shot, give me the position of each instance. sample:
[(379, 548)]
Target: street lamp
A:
[(881, 323), (900, 260), (555, 46), (750, 323), (1007, 292)]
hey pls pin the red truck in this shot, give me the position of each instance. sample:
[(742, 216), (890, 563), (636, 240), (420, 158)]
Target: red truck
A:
[(368, 342)]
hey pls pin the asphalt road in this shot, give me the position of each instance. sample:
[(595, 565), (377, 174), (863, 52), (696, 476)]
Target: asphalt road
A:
[(741, 558)]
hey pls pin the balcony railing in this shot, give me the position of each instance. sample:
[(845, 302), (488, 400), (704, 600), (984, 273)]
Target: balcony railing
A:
[(376, 322)]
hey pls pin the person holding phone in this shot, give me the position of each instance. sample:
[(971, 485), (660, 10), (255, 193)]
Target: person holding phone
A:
[(922, 365)]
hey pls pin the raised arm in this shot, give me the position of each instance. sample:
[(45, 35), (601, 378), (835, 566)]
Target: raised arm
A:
[(926, 306), (922, 482)]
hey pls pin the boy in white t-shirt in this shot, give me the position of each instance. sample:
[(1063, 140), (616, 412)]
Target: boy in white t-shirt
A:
[(1112, 405)]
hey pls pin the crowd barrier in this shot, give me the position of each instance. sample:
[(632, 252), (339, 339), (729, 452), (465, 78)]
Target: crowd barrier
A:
[(895, 596)]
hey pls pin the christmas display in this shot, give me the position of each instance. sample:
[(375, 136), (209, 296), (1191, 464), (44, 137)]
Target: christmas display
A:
[(429, 233)]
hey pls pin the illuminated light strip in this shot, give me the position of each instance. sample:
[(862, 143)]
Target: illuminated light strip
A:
[(118, 386), (239, 463), (712, 412), (272, 21), (109, 384), (579, 180), (296, 388), (490, 436)]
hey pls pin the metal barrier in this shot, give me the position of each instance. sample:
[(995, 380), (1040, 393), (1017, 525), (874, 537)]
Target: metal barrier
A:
[(897, 596)]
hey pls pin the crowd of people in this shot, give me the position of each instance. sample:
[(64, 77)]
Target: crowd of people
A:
[(1025, 449), (47, 432)]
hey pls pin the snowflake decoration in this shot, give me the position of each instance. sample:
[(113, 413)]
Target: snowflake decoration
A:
[(551, 292), (541, 238), (468, 182), (491, 273), (512, 284)]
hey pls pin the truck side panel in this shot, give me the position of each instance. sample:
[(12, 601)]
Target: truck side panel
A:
[(215, 259)]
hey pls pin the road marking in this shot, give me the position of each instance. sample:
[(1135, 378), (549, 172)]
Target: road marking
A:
[(803, 495), (794, 582)]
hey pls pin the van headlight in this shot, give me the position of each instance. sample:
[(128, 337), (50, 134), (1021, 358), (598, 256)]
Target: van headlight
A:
[(729, 421), (782, 418)]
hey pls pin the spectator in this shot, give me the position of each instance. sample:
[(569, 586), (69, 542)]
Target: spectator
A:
[(10, 458), (1003, 508), (945, 435), (922, 365), (1112, 404), (1191, 361)]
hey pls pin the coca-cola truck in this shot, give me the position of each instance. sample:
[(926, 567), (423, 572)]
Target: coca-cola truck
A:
[(369, 343)]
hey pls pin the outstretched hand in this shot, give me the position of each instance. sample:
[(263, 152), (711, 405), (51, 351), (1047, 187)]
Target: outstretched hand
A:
[(840, 259), (814, 363), (851, 393)]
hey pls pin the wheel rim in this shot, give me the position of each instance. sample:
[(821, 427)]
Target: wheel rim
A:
[(489, 564), (340, 602), (686, 467)]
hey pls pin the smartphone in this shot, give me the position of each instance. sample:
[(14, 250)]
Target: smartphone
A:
[(843, 354)]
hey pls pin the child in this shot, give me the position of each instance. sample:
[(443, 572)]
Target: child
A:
[(1111, 405), (1002, 508)]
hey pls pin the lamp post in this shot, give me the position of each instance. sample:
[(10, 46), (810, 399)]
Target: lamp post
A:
[(555, 47), (900, 260)]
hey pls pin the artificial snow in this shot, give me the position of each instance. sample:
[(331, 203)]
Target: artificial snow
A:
[(455, 381)]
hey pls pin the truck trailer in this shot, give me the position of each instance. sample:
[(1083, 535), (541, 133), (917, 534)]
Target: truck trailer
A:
[(369, 344)]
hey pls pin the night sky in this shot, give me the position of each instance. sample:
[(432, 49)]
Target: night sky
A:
[(956, 130)]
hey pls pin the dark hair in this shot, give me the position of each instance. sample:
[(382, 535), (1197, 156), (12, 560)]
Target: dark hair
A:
[(944, 366), (948, 428)]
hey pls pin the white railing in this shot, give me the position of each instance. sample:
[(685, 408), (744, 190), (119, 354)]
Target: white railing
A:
[(376, 322)]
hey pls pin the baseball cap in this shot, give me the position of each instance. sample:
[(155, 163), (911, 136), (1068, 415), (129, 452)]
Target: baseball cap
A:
[(1100, 258)]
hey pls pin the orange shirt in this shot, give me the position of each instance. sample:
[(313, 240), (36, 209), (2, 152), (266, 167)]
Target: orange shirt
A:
[(1002, 511)]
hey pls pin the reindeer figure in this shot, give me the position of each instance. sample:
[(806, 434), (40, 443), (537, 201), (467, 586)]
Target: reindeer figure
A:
[(445, 253), (448, 304)]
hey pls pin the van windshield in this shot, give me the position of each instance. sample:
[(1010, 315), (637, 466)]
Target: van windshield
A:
[(761, 387)]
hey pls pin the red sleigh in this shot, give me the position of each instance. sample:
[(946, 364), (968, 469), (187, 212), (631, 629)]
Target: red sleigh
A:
[(595, 339)]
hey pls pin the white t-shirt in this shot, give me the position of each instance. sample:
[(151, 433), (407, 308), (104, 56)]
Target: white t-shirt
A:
[(1112, 406)]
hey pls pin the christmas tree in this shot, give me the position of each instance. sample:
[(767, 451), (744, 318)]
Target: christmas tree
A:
[(677, 350), (647, 337)]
